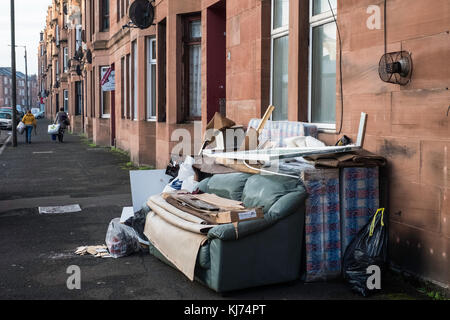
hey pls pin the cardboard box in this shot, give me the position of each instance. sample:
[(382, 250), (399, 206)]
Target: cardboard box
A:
[(239, 216)]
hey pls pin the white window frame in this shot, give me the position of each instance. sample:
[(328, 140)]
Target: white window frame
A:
[(104, 115), (130, 82), (66, 100), (124, 85), (78, 37), (57, 35), (274, 34), (150, 62), (315, 21), (135, 66), (65, 59), (57, 68)]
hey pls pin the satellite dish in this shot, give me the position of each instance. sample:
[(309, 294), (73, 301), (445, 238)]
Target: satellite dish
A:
[(141, 13)]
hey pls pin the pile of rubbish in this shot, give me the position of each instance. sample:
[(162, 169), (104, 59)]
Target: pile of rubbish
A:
[(122, 238), (298, 153)]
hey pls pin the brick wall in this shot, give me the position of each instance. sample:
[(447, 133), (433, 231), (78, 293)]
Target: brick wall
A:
[(406, 124)]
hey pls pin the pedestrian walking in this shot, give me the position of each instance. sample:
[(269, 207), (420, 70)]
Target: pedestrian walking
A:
[(63, 120), (30, 122)]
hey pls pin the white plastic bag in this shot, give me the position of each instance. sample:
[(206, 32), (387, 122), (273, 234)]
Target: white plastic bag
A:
[(53, 128), (185, 179), (121, 240), (189, 184), (21, 127)]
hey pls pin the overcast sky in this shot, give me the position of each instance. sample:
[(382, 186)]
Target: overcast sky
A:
[(30, 21)]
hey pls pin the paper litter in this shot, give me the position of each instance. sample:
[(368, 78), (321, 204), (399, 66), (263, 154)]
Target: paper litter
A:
[(100, 251)]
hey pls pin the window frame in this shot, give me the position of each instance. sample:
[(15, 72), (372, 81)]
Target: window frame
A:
[(134, 65), (187, 43), (57, 35), (66, 100), (65, 59), (317, 21), (151, 62), (78, 37), (105, 16), (118, 9), (57, 68), (102, 114), (79, 102), (128, 86), (123, 78), (277, 33)]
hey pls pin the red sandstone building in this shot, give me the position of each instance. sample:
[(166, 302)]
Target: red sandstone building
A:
[(6, 89), (239, 56)]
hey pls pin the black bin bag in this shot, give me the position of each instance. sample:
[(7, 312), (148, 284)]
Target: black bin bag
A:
[(366, 252)]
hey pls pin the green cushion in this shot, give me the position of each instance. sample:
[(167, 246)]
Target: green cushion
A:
[(203, 185), (264, 190), (228, 185), (286, 205), (203, 257), (228, 232)]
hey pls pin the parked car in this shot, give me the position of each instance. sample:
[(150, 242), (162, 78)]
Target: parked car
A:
[(5, 120), (19, 114), (9, 110), (39, 115)]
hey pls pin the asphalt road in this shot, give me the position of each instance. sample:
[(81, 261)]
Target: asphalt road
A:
[(36, 250)]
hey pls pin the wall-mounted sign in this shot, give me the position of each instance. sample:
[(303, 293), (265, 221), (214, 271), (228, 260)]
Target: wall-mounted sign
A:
[(108, 81)]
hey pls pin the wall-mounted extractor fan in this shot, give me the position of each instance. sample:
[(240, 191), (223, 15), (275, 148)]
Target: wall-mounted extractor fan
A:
[(396, 67)]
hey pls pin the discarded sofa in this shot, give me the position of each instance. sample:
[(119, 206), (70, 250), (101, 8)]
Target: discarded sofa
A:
[(258, 252)]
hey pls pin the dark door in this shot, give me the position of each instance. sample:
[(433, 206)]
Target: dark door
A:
[(57, 102), (216, 59)]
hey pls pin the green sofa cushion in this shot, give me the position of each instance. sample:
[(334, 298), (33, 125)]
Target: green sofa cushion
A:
[(286, 205), (203, 257), (230, 185), (264, 190), (228, 232), (203, 185)]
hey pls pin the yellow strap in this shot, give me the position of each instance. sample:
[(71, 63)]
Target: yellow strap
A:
[(372, 225)]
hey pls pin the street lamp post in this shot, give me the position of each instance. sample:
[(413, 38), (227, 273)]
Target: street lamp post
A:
[(13, 69), (26, 75)]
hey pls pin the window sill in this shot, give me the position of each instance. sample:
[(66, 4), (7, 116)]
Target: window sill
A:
[(106, 116)]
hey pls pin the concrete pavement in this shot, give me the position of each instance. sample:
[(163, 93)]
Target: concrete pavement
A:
[(36, 250)]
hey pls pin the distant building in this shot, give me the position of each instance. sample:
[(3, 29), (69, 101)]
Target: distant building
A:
[(6, 89)]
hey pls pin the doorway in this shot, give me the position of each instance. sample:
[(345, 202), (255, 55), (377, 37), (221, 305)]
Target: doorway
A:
[(216, 59)]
